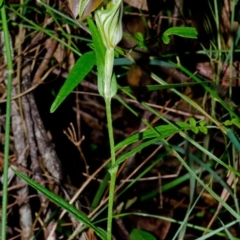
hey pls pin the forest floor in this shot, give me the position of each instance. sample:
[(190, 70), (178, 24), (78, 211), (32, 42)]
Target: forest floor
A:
[(182, 185)]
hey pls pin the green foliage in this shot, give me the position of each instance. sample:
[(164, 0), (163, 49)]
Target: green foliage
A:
[(82, 67), (141, 41), (201, 127), (233, 139), (138, 234), (230, 133), (149, 88), (100, 52), (1, 3), (63, 204), (162, 131), (187, 32), (154, 135), (234, 121)]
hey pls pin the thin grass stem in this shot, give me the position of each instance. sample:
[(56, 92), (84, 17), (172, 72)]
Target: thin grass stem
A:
[(8, 59)]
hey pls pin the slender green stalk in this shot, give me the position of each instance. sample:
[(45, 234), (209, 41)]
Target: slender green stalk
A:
[(232, 46), (8, 116), (112, 171), (218, 54)]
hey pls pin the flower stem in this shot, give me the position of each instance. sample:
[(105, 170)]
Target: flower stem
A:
[(112, 171)]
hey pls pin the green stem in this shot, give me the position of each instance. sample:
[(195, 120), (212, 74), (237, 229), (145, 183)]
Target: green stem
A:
[(112, 171), (232, 46), (8, 116)]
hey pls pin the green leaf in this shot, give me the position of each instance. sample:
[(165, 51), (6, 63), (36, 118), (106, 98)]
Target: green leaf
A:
[(161, 132), (140, 41), (236, 122), (195, 129), (148, 88), (228, 123), (138, 234), (183, 125), (1, 3), (100, 51), (101, 189), (192, 121), (187, 32), (233, 139), (203, 129), (139, 36), (82, 67), (135, 150), (202, 123), (64, 204)]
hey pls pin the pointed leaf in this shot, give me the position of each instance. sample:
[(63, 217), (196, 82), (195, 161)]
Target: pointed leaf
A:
[(195, 129), (62, 203), (203, 129), (161, 131), (228, 123), (82, 67), (202, 123), (192, 121), (187, 32), (233, 139), (236, 122), (100, 51)]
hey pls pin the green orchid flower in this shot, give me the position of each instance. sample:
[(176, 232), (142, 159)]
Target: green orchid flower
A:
[(109, 23)]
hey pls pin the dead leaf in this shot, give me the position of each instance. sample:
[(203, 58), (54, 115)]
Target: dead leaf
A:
[(208, 199), (134, 76)]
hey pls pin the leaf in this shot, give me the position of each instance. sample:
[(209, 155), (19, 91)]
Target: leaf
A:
[(195, 129), (187, 32), (82, 67), (100, 51), (183, 124), (135, 150), (139, 36), (192, 121), (138, 234), (64, 204), (148, 88), (202, 123), (233, 139), (1, 3), (161, 131), (228, 123), (236, 122), (203, 129)]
